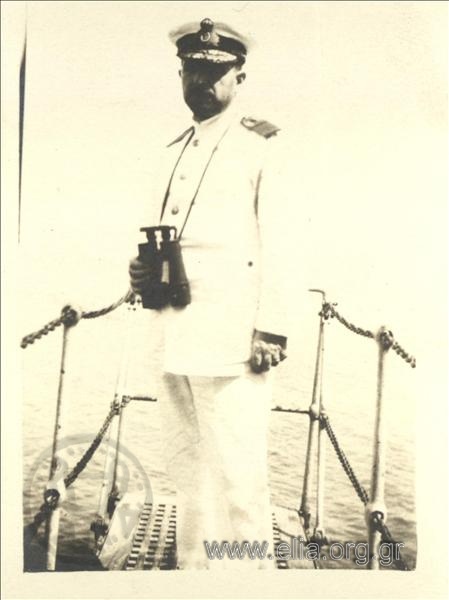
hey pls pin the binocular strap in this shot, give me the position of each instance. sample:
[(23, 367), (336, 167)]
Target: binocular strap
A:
[(192, 202)]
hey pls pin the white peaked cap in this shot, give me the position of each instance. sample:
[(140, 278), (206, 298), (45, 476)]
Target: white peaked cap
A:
[(216, 41)]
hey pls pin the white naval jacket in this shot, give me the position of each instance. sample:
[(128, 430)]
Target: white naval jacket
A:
[(236, 243)]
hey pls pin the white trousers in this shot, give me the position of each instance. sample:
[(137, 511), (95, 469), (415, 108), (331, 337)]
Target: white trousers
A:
[(215, 434)]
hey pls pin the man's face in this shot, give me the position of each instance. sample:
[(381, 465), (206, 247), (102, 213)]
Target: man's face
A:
[(209, 88)]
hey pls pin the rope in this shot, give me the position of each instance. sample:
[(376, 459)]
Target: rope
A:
[(51, 496), (93, 314), (377, 518), (70, 316), (386, 338)]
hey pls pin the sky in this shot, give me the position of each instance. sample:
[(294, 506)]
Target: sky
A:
[(358, 89)]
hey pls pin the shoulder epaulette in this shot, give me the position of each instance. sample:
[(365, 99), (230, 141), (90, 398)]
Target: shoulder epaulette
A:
[(181, 137), (263, 128)]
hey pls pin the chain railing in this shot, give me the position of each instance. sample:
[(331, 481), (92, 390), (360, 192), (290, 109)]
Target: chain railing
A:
[(51, 496), (329, 311), (49, 510), (360, 490), (70, 316), (374, 508), (377, 518)]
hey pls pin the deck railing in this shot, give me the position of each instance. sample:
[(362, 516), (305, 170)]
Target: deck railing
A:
[(319, 423)]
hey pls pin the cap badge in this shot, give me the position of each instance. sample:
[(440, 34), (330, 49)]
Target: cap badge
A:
[(207, 27)]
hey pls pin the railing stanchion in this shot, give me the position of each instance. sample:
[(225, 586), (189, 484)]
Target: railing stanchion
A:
[(55, 491), (376, 508), (314, 426), (110, 492), (319, 534)]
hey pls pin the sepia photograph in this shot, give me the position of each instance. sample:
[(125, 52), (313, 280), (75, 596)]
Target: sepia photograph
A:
[(225, 253)]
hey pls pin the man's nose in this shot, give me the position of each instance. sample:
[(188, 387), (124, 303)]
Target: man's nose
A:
[(200, 78)]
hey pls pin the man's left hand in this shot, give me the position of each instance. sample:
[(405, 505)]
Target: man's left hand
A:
[(265, 355)]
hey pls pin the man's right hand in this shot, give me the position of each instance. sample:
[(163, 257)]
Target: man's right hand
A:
[(139, 274)]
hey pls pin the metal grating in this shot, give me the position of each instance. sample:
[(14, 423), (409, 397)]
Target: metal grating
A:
[(280, 564), (154, 546), (154, 543)]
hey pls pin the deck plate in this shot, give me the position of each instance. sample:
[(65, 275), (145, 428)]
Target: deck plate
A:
[(148, 542)]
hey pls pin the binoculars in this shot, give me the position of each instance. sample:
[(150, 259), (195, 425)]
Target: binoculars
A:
[(168, 283)]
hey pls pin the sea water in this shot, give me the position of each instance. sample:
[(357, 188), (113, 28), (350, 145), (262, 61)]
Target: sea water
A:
[(94, 354)]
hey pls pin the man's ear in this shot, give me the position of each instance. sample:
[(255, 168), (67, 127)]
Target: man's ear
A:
[(241, 77), (180, 72)]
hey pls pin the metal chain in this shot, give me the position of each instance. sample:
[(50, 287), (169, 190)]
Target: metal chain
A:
[(377, 518), (387, 538), (51, 496), (361, 492), (403, 354), (70, 316), (328, 311), (84, 460), (32, 337), (387, 339), (30, 530)]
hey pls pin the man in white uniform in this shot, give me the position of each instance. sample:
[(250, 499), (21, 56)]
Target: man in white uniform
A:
[(222, 188)]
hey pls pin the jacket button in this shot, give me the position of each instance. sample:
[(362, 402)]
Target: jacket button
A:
[(195, 142), (175, 210), (182, 177)]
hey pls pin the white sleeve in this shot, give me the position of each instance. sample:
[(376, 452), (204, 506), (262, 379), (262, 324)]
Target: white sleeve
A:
[(281, 239)]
